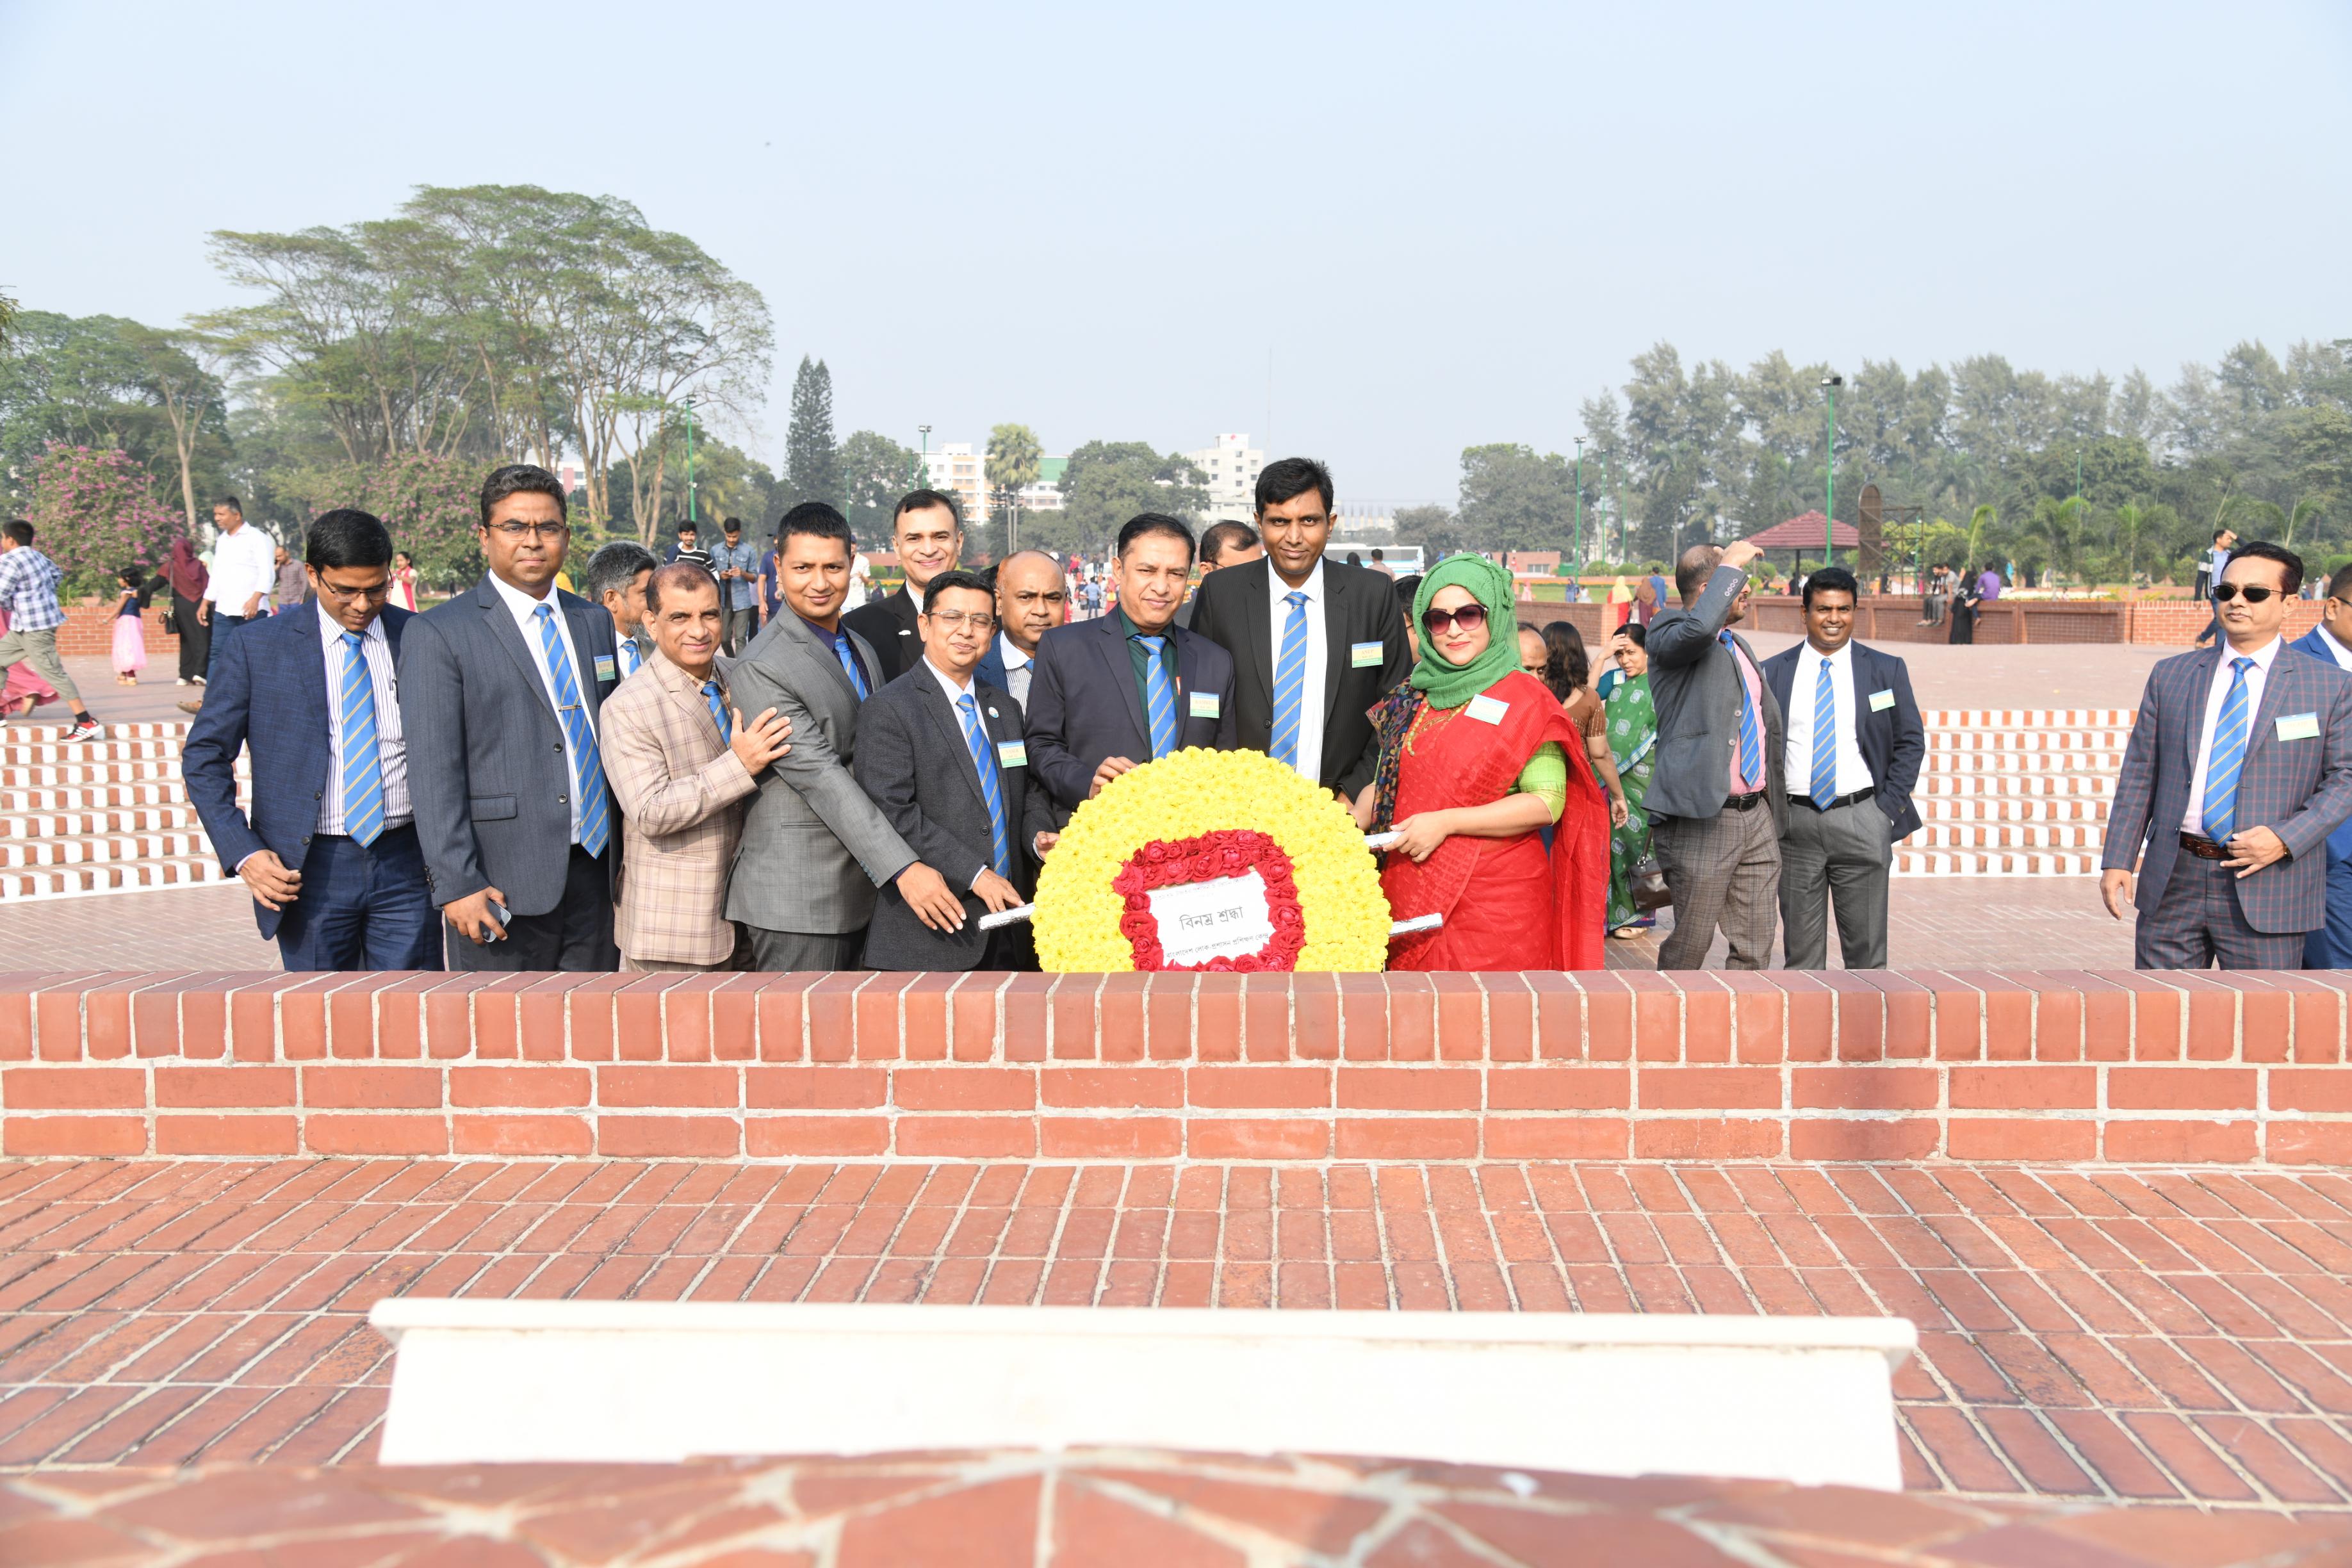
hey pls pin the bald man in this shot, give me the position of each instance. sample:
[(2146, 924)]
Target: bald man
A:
[(1032, 598)]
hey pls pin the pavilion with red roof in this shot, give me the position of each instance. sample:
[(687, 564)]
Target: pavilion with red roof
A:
[(1800, 534)]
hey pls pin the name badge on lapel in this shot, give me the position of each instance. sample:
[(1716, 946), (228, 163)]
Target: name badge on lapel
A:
[(1880, 701), (1488, 709), (1012, 753), (1364, 656), (605, 670), (1204, 705), (2298, 727)]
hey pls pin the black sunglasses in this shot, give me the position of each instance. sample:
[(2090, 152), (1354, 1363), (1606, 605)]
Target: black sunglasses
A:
[(2225, 592), (1469, 617)]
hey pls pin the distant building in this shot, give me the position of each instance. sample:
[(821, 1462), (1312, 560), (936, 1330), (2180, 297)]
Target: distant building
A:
[(1231, 466), (956, 468), (1045, 492)]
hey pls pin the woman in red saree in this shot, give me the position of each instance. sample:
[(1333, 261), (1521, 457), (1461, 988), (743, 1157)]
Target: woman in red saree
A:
[(1476, 759)]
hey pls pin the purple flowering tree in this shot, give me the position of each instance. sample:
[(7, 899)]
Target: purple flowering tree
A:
[(94, 513)]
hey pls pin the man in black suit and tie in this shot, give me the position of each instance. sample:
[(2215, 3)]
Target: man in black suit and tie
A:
[(499, 691), (1854, 746), (928, 533), (1222, 544), (1126, 688), (329, 850), (941, 752), (1316, 643), (616, 578)]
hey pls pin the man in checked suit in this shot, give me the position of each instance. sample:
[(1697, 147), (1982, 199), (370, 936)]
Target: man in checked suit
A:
[(1123, 688), (2329, 946), (1717, 795), (683, 764), (330, 851), (1855, 745), (941, 753), (814, 847), (1316, 643), (499, 691), (2240, 766)]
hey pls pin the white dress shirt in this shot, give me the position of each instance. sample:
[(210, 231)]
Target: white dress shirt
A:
[(2193, 819), (1017, 670), (1853, 772), (244, 563), (1319, 653), (525, 610), (391, 751), (2343, 654)]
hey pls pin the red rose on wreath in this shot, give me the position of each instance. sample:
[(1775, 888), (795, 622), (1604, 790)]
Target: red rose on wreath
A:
[(1228, 852)]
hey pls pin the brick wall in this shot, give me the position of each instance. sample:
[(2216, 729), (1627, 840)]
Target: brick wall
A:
[(1976, 1066), (89, 629), (2175, 623)]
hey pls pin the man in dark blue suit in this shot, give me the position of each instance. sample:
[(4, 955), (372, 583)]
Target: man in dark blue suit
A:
[(329, 849), (2330, 946), (1855, 745), (1126, 688)]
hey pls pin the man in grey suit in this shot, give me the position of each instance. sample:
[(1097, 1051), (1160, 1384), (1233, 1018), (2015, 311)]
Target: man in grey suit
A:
[(941, 752), (499, 691), (2240, 766), (814, 847), (1716, 795), (616, 578)]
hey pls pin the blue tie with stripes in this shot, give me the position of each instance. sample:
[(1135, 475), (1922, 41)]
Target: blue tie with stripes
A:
[(595, 805), (630, 657), (362, 767), (1751, 734), (1162, 706), (843, 651), (1824, 738), (716, 701), (992, 789), (1290, 681), (2229, 755)]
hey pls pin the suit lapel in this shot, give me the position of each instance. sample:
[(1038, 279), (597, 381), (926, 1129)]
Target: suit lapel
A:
[(320, 694), (1335, 643), (1257, 626), (2275, 695), (1006, 726), (796, 634), (2190, 732), (1113, 648), (509, 636), (684, 691), (581, 619)]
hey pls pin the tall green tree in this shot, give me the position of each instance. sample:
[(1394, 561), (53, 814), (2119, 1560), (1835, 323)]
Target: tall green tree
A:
[(811, 462), (1513, 499), (875, 471), (1108, 482)]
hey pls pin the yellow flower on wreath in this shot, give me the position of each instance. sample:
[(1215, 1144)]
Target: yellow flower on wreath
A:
[(1194, 792)]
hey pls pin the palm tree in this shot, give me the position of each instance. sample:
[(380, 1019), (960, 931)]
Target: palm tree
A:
[(2254, 517), (1011, 466), (2129, 519), (2309, 506), (2058, 524)]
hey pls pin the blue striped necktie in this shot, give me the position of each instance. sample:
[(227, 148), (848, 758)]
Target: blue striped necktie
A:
[(362, 765), (992, 789), (2229, 755), (1751, 734), (1162, 706), (716, 701), (843, 651), (595, 805), (1290, 681), (630, 657), (1824, 738)]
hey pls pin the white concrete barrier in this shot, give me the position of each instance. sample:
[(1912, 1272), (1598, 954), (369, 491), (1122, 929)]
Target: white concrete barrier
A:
[(1801, 1399)]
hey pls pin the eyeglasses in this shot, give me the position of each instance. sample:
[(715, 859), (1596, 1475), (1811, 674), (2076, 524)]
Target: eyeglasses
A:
[(528, 530), (980, 620), (1469, 617), (343, 595), (2225, 592)]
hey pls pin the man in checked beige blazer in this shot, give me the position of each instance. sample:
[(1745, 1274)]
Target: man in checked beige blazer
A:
[(683, 765)]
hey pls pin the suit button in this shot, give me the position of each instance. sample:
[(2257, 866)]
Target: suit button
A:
[(560, 800)]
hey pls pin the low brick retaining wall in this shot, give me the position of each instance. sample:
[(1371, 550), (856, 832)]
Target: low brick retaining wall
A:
[(1892, 1066), (1894, 618), (89, 629)]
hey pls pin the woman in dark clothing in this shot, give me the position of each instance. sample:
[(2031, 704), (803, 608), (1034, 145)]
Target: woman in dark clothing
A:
[(1964, 612), (188, 580)]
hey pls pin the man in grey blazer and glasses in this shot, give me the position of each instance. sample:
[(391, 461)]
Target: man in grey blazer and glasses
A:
[(1716, 795), (500, 691), (2240, 766), (814, 847)]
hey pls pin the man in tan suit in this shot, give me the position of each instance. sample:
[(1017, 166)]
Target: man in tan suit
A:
[(683, 764)]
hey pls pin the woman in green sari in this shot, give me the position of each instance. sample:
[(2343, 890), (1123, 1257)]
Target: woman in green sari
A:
[(1633, 741)]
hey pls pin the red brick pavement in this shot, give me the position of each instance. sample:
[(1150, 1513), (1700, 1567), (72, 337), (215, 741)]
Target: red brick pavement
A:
[(2109, 1334)]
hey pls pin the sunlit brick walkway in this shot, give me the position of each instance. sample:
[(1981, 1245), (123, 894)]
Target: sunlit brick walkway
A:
[(2117, 1335)]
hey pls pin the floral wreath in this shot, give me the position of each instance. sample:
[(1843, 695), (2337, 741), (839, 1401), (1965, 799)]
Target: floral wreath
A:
[(1193, 816)]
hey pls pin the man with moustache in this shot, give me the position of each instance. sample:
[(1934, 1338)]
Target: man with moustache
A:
[(499, 692), (814, 847), (1316, 643), (928, 534), (683, 764), (1032, 599), (1226, 543), (1131, 686), (943, 755)]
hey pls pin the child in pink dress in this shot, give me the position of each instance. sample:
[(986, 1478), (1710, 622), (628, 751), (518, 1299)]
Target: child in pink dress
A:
[(130, 635)]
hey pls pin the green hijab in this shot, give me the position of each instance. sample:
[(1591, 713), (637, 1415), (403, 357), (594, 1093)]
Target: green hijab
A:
[(1451, 685)]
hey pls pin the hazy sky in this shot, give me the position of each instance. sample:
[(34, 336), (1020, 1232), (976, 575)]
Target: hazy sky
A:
[(1447, 224)]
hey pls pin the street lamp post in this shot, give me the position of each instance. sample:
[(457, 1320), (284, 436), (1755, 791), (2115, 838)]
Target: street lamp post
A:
[(689, 460), (1829, 467), (1580, 501)]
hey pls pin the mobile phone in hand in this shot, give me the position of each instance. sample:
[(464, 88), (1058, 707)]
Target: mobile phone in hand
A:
[(498, 932)]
